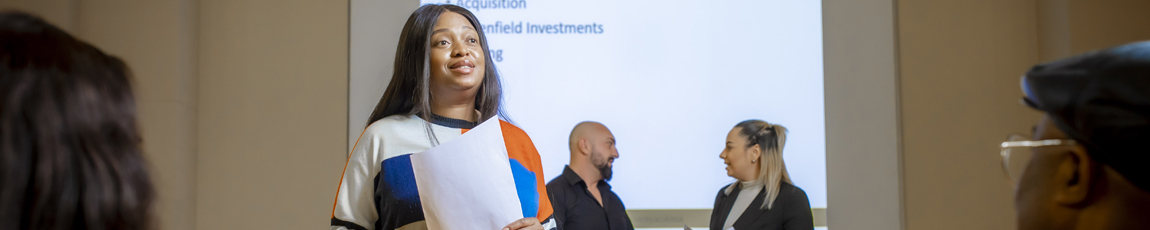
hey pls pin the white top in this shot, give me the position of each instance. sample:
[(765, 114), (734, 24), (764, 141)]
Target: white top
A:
[(746, 195)]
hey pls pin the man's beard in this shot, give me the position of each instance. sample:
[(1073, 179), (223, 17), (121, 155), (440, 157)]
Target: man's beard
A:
[(601, 164)]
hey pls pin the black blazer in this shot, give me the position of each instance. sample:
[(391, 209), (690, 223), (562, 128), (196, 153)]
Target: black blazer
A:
[(791, 210)]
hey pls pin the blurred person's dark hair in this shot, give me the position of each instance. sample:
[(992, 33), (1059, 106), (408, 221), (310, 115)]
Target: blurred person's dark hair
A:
[(70, 153)]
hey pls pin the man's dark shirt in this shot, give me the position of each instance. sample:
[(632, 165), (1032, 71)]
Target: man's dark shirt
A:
[(576, 209)]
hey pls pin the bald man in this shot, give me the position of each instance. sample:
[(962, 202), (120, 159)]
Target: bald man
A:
[(581, 197)]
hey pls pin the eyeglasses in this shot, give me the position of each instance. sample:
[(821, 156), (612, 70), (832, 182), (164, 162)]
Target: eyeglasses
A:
[(1017, 150)]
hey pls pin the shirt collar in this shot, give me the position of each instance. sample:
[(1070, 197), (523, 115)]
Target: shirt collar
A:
[(570, 175), (452, 122), (573, 178)]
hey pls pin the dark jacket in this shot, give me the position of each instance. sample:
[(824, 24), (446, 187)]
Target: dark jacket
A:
[(791, 210)]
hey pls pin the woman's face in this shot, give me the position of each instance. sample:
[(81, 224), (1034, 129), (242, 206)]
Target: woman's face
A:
[(738, 156), (457, 61)]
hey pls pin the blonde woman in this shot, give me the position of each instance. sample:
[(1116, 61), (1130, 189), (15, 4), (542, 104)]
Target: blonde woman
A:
[(763, 197)]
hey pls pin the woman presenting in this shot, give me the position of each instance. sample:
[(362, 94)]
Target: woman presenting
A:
[(764, 197), (443, 85)]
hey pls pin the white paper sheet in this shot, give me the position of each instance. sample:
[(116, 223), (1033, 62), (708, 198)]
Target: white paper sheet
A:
[(466, 183)]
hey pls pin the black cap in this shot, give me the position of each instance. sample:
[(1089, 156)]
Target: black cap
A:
[(1102, 100)]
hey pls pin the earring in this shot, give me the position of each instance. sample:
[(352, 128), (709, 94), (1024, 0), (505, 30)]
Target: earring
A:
[(752, 161)]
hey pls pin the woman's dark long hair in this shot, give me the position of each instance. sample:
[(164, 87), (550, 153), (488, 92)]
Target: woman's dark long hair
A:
[(409, 91), (69, 148)]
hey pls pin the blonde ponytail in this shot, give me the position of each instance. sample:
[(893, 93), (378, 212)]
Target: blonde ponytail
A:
[(773, 170), (771, 138)]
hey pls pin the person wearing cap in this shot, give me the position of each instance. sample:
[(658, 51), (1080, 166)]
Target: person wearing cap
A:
[(1086, 166)]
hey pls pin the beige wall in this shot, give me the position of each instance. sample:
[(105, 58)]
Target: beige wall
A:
[(1098, 24), (62, 13), (1070, 27), (959, 68), (273, 113), (156, 39), (864, 187), (242, 104)]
